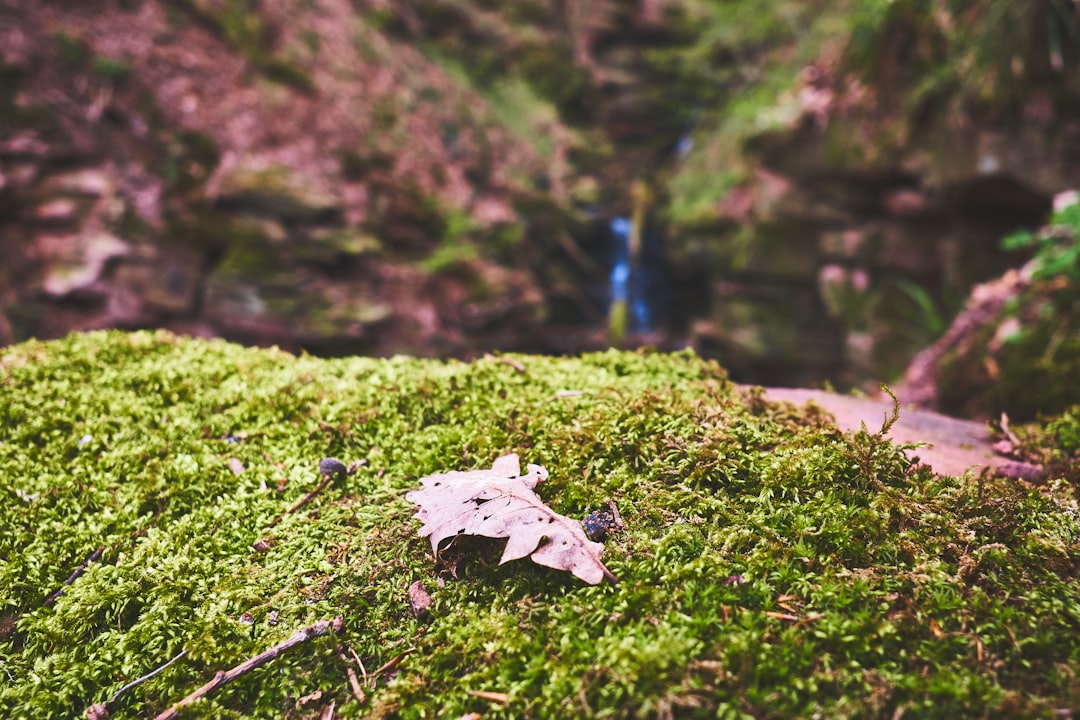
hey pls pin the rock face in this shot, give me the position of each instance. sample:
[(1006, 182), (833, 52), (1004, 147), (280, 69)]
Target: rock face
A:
[(1014, 349), (302, 174), (270, 174), (846, 267)]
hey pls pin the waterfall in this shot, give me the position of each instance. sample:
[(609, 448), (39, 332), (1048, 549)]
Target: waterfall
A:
[(635, 279)]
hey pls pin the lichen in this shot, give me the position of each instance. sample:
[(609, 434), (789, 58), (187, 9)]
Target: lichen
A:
[(769, 564)]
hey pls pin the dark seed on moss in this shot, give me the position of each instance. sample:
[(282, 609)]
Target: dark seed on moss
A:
[(332, 467), (598, 524)]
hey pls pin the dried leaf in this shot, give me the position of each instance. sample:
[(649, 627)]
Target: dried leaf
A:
[(500, 503), (419, 599)]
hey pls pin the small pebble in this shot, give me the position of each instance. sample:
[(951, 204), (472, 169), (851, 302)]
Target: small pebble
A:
[(333, 467), (419, 599), (598, 524), (261, 545)]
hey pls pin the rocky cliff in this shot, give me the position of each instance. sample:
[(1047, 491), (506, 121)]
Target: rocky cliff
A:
[(437, 177)]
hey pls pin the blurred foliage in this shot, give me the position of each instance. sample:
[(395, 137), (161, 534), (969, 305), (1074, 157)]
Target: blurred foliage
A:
[(938, 55), (1025, 359), (1056, 246)]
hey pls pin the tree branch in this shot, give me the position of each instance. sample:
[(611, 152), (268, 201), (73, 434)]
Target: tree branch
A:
[(222, 677)]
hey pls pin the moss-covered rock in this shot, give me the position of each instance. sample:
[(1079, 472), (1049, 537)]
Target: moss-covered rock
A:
[(1024, 360), (770, 563)]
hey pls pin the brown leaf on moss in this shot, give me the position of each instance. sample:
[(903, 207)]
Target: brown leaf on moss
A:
[(500, 503)]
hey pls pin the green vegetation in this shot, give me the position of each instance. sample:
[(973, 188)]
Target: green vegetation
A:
[(240, 23), (1025, 360), (943, 60), (116, 70), (1056, 246), (738, 74), (1055, 444), (770, 565)]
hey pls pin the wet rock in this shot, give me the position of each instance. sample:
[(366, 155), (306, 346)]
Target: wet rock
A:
[(87, 182), (1012, 349), (76, 261), (61, 211), (277, 193), (156, 281)]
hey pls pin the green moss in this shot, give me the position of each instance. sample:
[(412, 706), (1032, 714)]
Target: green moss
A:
[(191, 160), (240, 23), (770, 565), (113, 69), (1023, 362), (72, 48), (287, 73), (1054, 444)]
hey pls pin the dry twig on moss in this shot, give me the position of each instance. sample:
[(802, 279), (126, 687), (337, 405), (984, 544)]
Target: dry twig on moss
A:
[(100, 711), (222, 677), (94, 556), (331, 469)]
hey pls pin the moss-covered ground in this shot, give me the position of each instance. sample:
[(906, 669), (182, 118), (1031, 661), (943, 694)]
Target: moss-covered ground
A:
[(771, 566)]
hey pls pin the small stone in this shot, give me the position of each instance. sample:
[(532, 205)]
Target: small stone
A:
[(1028, 472), (261, 545), (419, 599), (598, 524), (332, 467)]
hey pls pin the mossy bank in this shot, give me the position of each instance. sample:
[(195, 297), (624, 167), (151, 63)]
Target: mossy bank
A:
[(771, 566)]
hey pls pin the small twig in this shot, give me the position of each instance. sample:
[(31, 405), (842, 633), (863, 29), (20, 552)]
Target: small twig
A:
[(331, 470), (495, 697), (75, 575), (506, 361), (354, 683), (303, 501), (363, 670), (812, 617), (328, 711), (393, 662), (1007, 431), (222, 677), (99, 711), (146, 677)]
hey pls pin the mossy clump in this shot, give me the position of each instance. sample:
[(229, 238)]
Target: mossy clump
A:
[(1023, 362), (769, 565)]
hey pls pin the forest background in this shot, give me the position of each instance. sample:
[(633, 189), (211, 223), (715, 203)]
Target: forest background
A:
[(815, 187)]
